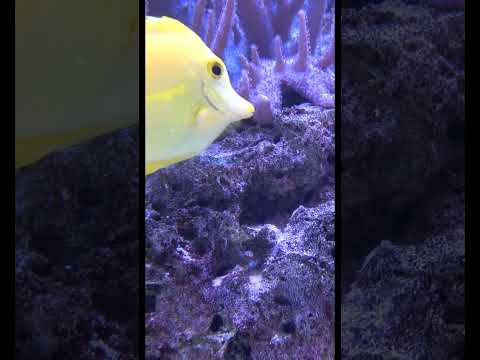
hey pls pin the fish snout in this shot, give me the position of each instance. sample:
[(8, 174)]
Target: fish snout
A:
[(226, 100), (240, 108)]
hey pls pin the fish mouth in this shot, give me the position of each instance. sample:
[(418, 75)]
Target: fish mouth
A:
[(207, 99), (231, 105)]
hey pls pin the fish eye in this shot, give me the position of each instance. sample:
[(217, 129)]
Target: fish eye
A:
[(215, 69)]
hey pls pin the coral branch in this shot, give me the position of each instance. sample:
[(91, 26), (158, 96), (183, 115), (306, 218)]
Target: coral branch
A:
[(253, 72), (303, 44), (198, 16), (263, 110), (284, 16), (237, 33), (210, 33), (226, 20), (256, 24), (315, 16), (328, 58), (255, 56), (218, 6), (268, 8), (244, 85), (279, 59), (243, 62)]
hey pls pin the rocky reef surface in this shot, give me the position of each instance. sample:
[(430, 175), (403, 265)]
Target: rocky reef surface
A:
[(240, 245), (240, 239), (76, 252), (403, 160)]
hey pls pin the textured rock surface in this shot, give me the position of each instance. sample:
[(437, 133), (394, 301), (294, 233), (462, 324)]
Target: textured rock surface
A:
[(240, 245), (76, 252), (403, 122), (403, 158), (408, 301)]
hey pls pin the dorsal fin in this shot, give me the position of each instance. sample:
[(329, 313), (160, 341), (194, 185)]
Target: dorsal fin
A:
[(165, 24)]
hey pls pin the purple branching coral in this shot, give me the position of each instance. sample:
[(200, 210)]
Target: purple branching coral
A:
[(268, 76), (266, 82), (291, 45)]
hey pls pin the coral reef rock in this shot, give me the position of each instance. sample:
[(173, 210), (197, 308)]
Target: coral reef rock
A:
[(240, 245), (403, 123), (408, 301), (403, 181)]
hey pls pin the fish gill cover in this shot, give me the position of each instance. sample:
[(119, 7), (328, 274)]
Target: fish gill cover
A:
[(240, 239)]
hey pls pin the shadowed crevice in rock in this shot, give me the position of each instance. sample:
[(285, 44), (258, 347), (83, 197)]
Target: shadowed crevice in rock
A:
[(290, 97)]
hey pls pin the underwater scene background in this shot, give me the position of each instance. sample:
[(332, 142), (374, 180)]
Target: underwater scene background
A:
[(240, 249), (240, 239)]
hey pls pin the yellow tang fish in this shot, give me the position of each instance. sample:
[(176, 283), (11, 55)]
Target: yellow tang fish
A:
[(189, 97), (76, 72)]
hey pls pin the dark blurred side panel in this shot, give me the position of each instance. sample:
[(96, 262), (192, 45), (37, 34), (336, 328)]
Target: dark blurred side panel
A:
[(403, 181), (76, 181)]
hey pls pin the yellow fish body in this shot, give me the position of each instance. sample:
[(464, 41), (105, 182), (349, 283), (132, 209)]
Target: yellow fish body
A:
[(76, 72), (189, 98)]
